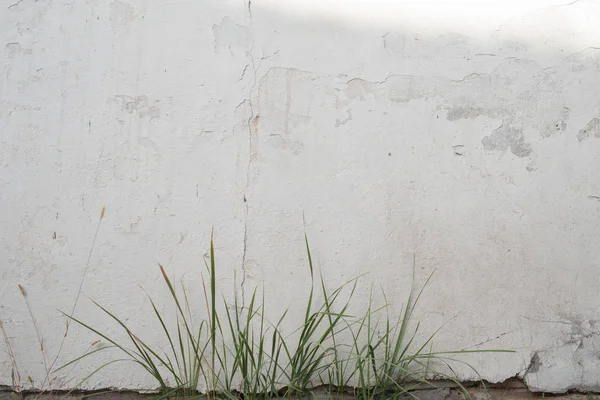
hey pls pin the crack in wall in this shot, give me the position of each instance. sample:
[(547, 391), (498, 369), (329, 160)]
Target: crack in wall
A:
[(489, 340), (15, 4), (252, 120), (247, 187)]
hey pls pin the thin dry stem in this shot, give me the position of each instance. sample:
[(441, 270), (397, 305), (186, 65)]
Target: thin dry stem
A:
[(16, 376), (37, 332), (85, 270)]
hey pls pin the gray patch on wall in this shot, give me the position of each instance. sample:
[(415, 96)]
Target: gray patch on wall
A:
[(505, 137), (395, 43), (13, 48), (555, 126), (121, 15), (456, 113), (228, 34), (139, 105), (592, 129), (279, 142)]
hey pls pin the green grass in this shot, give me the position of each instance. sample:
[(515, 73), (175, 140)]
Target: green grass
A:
[(238, 353)]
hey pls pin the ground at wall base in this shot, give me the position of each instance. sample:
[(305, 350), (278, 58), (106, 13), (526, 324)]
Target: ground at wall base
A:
[(513, 389)]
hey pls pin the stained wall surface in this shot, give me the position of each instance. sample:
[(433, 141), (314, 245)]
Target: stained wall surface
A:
[(455, 137)]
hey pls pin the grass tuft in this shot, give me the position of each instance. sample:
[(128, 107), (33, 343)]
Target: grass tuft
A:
[(239, 354)]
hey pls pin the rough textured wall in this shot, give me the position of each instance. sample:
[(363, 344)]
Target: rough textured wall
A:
[(469, 143)]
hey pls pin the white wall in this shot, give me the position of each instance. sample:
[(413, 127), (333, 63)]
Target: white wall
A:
[(465, 134)]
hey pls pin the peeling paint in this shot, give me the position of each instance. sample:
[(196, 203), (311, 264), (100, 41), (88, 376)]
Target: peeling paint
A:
[(122, 14), (458, 149), (507, 137), (461, 112), (481, 95), (358, 88), (591, 129), (13, 48), (228, 34), (138, 105), (279, 142), (344, 121)]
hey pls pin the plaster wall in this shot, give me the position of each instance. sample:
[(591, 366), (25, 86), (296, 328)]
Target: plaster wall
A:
[(461, 136)]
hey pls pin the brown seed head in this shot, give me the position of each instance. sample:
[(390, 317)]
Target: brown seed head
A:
[(21, 289), (163, 272)]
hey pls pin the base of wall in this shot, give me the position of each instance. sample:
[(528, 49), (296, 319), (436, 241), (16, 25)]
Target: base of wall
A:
[(512, 389)]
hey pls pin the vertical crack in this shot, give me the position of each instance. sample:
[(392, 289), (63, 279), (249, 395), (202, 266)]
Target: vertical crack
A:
[(253, 124), (250, 156)]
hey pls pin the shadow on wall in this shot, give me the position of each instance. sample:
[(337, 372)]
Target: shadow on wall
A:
[(462, 135)]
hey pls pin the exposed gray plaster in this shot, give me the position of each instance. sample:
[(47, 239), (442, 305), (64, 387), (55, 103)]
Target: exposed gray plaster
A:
[(591, 129), (279, 142), (481, 95), (138, 105), (339, 122), (122, 14), (228, 34), (13, 48), (505, 137), (462, 112)]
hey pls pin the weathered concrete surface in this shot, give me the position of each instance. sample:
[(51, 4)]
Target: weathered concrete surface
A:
[(467, 138), (552, 370)]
